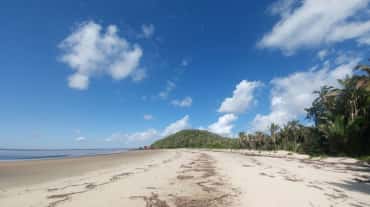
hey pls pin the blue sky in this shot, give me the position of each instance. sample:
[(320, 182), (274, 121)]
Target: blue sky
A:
[(125, 73)]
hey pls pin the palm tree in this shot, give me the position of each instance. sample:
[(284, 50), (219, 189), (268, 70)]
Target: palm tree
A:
[(274, 128), (242, 140), (353, 99), (363, 84), (363, 81), (323, 105), (294, 132), (336, 132)]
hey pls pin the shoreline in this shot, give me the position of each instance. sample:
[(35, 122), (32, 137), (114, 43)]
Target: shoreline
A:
[(67, 153), (17, 172)]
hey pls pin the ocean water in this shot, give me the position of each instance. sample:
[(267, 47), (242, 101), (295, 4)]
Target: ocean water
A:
[(30, 154)]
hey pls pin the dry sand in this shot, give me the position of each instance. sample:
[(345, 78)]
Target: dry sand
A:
[(186, 178)]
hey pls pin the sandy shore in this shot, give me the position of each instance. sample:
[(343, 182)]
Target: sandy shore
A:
[(186, 178)]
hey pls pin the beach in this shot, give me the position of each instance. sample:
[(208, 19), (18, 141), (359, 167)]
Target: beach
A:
[(186, 178)]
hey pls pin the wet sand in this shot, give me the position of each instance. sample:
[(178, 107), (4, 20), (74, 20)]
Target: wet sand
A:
[(21, 173), (186, 178)]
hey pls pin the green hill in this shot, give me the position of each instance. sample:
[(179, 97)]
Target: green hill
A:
[(195, 139)]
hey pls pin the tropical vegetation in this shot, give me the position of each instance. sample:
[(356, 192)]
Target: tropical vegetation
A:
[(340, 116), (340, 125)]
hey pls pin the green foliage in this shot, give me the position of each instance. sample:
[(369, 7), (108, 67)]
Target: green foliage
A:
[(313, 142), (341, 119), (195, 139), (341, 115)]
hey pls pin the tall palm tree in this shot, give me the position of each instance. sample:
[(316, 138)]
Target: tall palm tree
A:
[(294, 129), (274, 128), (352, 97), (363, 81), (242, 139), (322, 106)]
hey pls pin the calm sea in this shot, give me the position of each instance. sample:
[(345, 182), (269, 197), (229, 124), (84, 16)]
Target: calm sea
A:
[(29, 154)]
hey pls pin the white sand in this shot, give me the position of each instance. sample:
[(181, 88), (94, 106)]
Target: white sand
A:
[(197, 178)]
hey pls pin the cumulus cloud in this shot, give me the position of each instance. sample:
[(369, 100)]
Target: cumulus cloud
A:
[(170, 86), (89, 50), (224, 125), (186, 102), (148, 117), (137, 137), (242, 97), (290, 95), (177, 126), (149, 135), (311, 23), (147, 31)]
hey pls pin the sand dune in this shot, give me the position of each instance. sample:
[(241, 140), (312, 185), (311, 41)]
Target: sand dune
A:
[(186, 178)]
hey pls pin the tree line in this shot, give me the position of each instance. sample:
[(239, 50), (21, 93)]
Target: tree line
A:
[(340, 117)]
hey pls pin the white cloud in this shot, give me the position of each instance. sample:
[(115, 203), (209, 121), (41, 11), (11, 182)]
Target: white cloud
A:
[(170, 86), (186, 102), (126, 63), (90, 51), (142, 136), (78, 81), (350, 31), (316, 22), (242, 97), (147, 30), (224, 125), (148, 117), (149, 135), (177, 126), (136, 137), (292, 94), (80, 139)]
